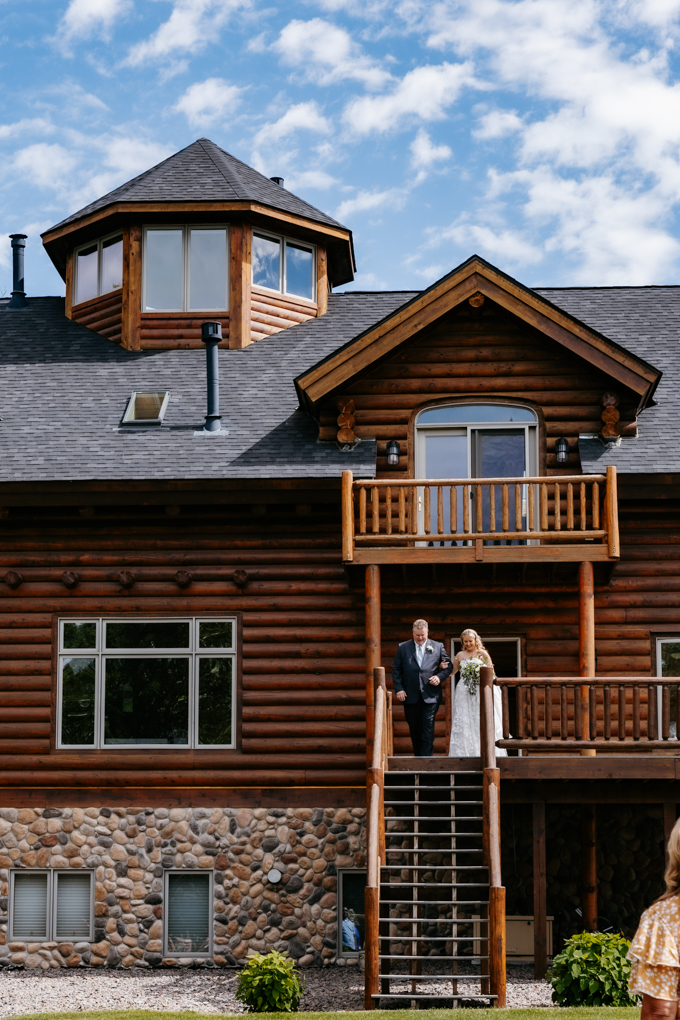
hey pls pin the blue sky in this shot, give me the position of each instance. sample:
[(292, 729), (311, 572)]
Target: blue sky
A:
[(541, 134)]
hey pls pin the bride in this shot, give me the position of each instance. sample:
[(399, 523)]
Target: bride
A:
[(465, 742)]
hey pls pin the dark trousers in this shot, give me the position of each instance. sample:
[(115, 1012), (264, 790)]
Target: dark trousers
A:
[(420, 719)]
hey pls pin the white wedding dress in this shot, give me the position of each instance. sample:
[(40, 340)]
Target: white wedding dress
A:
[(465, 741)]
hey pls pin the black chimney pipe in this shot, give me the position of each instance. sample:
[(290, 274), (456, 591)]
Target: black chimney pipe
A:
[(18, 298), (277, 180), (211, 334)]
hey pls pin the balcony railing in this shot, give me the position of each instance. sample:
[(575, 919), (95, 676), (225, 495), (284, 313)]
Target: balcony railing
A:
[(611, 714), (572, 517)]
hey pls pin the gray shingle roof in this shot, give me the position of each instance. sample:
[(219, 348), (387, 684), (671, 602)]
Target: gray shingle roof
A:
[(63, 391), (204, 172)]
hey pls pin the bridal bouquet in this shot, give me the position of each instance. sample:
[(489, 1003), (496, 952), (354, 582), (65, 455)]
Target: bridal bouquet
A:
[(469, 673)]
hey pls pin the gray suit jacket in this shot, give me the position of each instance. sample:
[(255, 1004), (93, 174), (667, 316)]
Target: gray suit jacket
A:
[(408, 676)]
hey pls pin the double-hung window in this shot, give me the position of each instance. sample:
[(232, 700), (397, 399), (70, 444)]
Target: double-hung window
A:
[(186, 269), (137, 682), (281, 264), (98, 268), (53, 906)]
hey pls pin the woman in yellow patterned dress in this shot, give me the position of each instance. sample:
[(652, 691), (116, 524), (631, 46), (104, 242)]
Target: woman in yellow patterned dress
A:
[(655, 950)]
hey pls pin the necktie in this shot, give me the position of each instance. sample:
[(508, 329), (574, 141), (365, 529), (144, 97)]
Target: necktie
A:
[(420, 651)]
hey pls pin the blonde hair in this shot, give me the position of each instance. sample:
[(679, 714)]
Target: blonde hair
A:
[(479, 645), (420, 625), (672, 873)]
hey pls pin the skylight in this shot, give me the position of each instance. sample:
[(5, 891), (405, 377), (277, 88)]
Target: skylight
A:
[(146, 407)]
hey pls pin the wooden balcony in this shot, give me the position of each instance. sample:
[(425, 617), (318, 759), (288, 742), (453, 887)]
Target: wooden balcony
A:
[(553, 519)]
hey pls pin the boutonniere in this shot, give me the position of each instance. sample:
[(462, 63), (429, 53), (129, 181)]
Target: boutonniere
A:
[(429, 648)]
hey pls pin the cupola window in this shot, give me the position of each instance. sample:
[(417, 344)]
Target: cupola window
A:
[(185, 269), (98, 268), (282, 264)]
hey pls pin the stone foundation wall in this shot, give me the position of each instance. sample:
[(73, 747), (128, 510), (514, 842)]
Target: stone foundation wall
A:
[(129, 849)]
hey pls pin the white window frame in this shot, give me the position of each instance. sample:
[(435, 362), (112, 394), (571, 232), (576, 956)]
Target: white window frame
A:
[(193, 653), (186, 229), (166, 914), (100, 243), (51, 913), (282, 238), (347, 953)]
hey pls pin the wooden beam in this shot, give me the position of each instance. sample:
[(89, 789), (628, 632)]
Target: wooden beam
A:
[(240, 279), (68, 303), (373, 648), (132, 289), (589, 867), (590, 553), (321, 280), (586, 644), (540, 892)]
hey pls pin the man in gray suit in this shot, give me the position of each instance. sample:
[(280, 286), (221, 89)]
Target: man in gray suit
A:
[(417, 681)]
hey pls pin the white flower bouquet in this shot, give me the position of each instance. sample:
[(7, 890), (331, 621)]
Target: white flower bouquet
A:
[(469, 673)]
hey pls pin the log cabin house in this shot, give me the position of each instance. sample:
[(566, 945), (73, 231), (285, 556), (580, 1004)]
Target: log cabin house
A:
[(199, 758)]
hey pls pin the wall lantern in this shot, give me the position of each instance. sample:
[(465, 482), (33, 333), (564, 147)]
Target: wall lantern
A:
[(393, 452), (562, 450)]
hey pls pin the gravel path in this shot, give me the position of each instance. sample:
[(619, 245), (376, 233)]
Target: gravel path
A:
[(201, 991)]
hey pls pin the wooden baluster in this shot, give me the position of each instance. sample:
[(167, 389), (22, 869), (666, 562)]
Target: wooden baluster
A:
[(548, 712), (521, 729), (544, 507), (596, 506), (607, 712), (388, 510), (362, 510), (564, 716), (466, 509), (534, 712), (506, 713), (505, 509), (636, 712), (426, 510), (622, 712), (570, 507), (492, 508), (454, 510), (532, 507), (402, 510), (652, 714), (665, 712), (578, 715), (557, 511), (414, 510), (584, 516), (592, 712), (440, 510), (518, 508), (375, 507), (479, 508)]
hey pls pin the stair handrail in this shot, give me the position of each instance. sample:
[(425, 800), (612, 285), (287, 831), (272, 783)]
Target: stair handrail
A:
[(375, 838), (492, 836)]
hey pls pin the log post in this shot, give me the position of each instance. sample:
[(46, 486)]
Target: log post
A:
[(347, 517), (586, 644), (372, 647), (375, 778), (540, 906), (497, 978), (589, 867), (612, 515), (496, 910)]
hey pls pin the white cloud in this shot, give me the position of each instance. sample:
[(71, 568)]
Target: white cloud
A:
[(366, 200), (317, 179), (424, 154), (326, 53), (498, 124), (29, 125), (207, 101), (84, 19), (192, 25), (301, 117), (45, 165), (424, 93), (506, 245)]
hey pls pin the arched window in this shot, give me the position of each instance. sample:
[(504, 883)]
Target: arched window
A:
[(477, 441)]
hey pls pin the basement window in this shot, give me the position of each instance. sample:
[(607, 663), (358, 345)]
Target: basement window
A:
[(51, 905), (146, 407), (98, 268), (351, 919), (188, 900), (281, 264)]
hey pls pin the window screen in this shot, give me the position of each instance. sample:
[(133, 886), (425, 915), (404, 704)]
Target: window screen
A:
[(73, 906), (188, 914), (29, 915)]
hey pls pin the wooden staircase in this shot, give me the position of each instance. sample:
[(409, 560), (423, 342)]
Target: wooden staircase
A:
[(435, 907)]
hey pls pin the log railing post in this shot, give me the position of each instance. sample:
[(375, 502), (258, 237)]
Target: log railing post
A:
[(612, 515), (487, 727), (540, 910), (586, 650), (496, 923), (589, 867), (372, 646), (375, 784), (347, 517)]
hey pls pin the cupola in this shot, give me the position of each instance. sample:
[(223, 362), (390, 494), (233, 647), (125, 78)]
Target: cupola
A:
[(200, 234)]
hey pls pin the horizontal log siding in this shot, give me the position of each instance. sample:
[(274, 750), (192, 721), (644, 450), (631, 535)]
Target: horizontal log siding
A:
[(270, 312), (303, 718), (103, 315), (165, 331), (492, 355)]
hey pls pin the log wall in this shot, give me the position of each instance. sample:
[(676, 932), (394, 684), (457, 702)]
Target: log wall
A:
[(270, 312), (488, 355), (103, 315), (164, 331)]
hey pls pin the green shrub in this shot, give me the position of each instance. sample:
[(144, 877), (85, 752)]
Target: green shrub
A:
[(592, 970), (270, 984)]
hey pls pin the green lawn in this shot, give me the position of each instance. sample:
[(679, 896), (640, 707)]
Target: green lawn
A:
[(568, 1013)]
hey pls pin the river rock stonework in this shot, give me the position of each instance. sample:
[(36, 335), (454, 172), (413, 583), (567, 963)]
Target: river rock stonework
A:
[(129, 849)]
